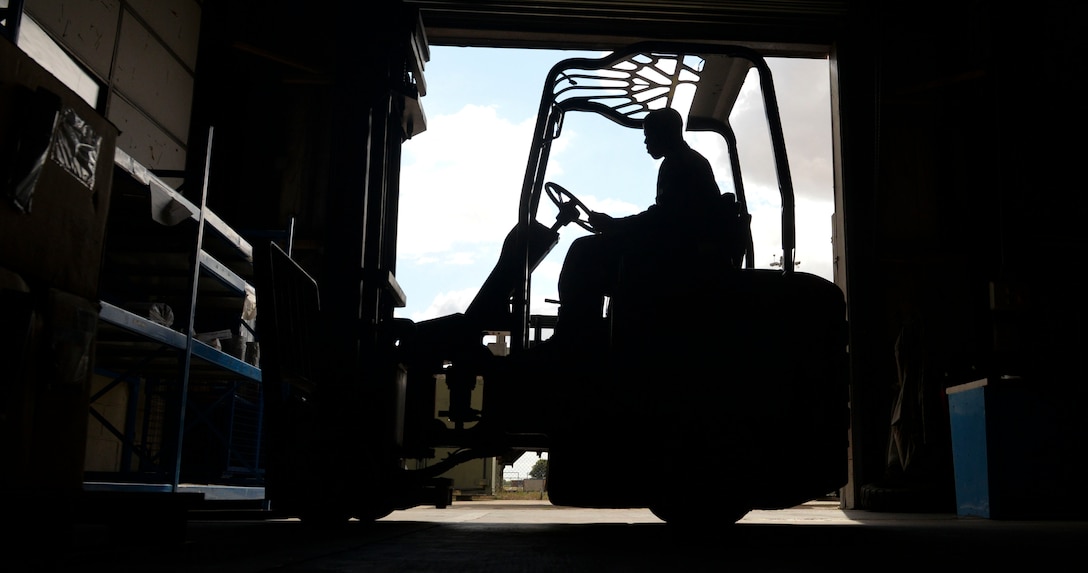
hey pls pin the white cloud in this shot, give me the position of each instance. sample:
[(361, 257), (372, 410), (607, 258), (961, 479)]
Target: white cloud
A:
[(814, 249), (813, 232), (461, 180), (447, 303), (462, 258), (614, 207), (546, 285), (547, 271), (803, 91)]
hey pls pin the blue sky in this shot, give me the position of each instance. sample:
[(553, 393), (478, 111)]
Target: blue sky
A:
[(461, 178)]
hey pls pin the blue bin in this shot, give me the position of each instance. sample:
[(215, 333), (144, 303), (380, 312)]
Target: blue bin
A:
[(967, 415), (1010, 451)]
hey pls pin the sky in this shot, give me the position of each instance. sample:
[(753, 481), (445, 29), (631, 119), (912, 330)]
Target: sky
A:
[(461, 177)]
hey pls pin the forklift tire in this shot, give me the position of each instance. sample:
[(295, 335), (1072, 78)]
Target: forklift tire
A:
[(324, 518), (330, 517), (689, 516), (373, 513)]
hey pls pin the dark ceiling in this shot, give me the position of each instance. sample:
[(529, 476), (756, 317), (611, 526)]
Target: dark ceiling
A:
[(776, 27)]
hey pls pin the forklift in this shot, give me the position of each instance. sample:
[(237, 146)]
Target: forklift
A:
[(709, 367)]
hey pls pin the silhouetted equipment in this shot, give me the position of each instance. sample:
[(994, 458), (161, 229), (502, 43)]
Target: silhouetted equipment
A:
[(703, 360)]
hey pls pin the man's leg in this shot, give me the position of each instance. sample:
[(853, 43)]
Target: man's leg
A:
[(588, 271)]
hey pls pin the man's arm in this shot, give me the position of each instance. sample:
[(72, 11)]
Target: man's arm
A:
[(603, 223)]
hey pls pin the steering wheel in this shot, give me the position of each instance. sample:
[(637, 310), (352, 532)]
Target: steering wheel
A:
[(571, 209)]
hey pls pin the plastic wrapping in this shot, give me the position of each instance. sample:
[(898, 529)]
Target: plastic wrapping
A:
[(251, 351), (161, 313), (76, 146), (49, 131), (249, 307), (157, 312)]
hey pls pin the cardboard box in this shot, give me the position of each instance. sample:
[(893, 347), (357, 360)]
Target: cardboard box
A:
[(56, 169), (46, 397), (18, 332), (62, 389)]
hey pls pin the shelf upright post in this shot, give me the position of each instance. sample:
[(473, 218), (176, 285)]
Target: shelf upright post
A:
[(194, 286)]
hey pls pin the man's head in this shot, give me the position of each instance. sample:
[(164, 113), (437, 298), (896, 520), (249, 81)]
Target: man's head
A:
[(664, 130)]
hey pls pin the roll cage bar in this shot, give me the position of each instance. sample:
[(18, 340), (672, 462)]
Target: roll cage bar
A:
[(623, 87)]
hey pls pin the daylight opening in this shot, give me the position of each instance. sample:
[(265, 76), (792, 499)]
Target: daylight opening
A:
[(461, 179)]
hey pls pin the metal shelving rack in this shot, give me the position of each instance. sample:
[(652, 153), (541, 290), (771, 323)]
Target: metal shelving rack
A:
[(192, 419)]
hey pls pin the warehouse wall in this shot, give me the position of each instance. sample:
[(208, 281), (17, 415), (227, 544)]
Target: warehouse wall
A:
[(144, 53)]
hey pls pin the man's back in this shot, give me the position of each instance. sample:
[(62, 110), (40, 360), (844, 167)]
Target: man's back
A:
[(686, 187)]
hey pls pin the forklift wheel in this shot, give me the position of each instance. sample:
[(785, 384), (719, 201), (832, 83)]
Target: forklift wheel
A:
[(689, 516), (373, 513)]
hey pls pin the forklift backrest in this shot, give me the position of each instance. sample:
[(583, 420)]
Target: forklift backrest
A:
[(290, 320), (735, 226), (726, 239)]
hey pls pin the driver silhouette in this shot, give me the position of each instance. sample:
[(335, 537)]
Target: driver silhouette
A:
[(686, 198)]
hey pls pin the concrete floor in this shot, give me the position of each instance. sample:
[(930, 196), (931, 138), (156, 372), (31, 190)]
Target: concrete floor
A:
[(528, 536)]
